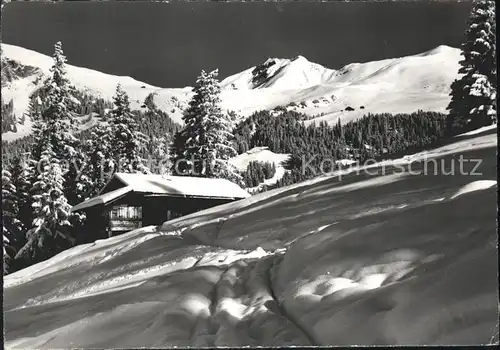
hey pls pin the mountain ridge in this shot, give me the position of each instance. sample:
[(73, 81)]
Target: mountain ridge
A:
[(395, 85)]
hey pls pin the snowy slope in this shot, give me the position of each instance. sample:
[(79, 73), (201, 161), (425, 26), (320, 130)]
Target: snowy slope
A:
[(382, 258), (91, 81), (94, 82), (399, 85)]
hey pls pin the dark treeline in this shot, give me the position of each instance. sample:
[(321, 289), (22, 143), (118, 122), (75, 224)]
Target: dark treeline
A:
[(12, 70), (15, 149), (321, 146), (87, 104), (153, 125), (369, 137), (8, 117), (257, 172), (372, 136), (156, 125)]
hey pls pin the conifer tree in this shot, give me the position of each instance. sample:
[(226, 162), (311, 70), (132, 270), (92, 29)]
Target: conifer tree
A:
[(50, 232), (21, 175), (52, 152), (100, 167), (59, 103), (204, 144), (180, 167), (126, 140), (55, 123), (158, 147), (77, 182), (12, 228), (473, 102)]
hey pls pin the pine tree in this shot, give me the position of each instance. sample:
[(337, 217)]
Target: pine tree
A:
[(158, 147), (473, 102), (100, 167), (77, 182), (204, 143), (126, 140), (177, 148), (50, 232), (12, 228), (55, 122), (21, 175), (52, 152), (60, 102)]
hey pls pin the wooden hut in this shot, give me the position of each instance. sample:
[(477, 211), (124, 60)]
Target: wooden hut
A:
[(130, 201)]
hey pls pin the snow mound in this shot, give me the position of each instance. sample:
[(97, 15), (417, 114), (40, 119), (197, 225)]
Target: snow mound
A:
[(96, 252), (475, 186), (479, 130), (229, 256)]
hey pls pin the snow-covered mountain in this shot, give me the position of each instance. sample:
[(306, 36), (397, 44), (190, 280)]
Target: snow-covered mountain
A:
[(399, 85), (380, 257), (87, 80), (281, 74)]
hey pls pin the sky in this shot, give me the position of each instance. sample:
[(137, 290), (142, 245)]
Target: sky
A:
[(167, 45)]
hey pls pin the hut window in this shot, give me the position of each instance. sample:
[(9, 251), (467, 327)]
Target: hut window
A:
[(124, 212)]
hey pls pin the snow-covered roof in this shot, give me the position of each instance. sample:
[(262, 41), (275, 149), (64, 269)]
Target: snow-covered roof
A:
[(103, 198), (166, 185), (182, 185)]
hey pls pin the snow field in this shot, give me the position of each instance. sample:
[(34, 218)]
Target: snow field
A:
[(421, 271)]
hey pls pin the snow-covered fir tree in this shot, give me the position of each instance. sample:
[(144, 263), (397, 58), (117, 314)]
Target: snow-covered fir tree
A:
[(203, 147), (157, 147), (55, 122), (473, 102), (100, 165), (126, 140), (50, 233), (58, 107), (21, 177), (77, 182), (53, 150), (12, 228), (177, 148)]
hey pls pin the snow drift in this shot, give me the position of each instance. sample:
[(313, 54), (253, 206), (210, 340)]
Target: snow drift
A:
[(377, 258)]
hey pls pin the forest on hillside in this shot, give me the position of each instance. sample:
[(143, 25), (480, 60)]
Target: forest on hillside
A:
[(370, 137)]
